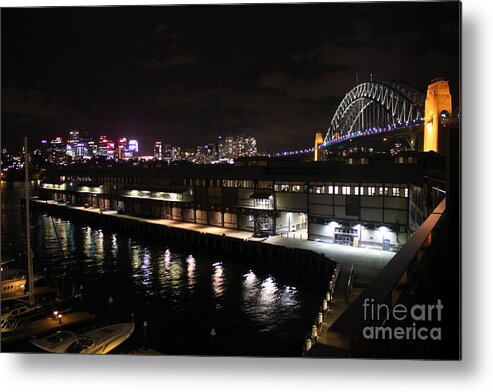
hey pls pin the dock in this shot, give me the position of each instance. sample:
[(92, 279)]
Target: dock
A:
[(48, 325)]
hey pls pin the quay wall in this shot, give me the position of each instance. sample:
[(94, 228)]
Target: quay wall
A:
[(306, 263)]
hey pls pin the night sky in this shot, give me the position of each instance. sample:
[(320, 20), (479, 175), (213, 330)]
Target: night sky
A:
[(187, 74)]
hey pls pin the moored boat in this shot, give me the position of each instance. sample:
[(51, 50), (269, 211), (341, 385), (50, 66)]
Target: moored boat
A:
[(100, 339), (12, 282)]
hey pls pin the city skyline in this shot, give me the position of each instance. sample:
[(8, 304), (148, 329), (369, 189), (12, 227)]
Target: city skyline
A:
[(154, 73)]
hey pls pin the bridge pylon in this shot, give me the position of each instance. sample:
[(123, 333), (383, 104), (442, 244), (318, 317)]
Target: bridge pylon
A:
[(319, 139), (438, 105)]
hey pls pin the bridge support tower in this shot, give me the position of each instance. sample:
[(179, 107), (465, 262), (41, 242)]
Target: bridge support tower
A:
[(319, 139), (438, 105)]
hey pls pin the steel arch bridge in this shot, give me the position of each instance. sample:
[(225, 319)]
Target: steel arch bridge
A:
[(375, 107)]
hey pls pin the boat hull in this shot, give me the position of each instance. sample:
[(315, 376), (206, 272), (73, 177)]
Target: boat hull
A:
[(11, 286)]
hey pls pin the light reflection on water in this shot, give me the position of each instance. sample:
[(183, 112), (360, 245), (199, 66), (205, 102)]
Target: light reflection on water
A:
[(191, 266), (218, 280), (264, 300)]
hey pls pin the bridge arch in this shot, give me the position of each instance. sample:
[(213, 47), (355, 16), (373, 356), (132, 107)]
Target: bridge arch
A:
[(375, 104)]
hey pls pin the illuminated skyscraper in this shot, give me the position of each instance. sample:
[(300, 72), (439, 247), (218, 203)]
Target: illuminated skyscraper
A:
[(133, 146), (122, 147), (237, 146), (57, 150), (158, 151)]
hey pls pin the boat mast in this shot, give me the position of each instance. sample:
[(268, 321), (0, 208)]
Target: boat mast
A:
[(28, 226)]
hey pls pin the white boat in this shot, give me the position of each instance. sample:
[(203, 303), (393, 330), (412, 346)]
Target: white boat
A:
[(22, 311), (95, 341), (12, 283)]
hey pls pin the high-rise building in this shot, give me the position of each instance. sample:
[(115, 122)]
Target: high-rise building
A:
[(229, 147), (205, 153), (110, 148), (237, 146), (158, 151), (133, 145), (167, 152), (78, 144), (220, 148), (250, 146), (92, 148), (122, 147), (103, 146), (57, 150), (175, 153)]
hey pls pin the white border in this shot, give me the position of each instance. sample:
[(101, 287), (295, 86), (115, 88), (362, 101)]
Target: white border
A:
[(77, 373)]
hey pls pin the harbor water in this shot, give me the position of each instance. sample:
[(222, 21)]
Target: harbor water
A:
[(255, 309)]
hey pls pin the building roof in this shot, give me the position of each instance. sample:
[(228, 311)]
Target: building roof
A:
[(379, 169)]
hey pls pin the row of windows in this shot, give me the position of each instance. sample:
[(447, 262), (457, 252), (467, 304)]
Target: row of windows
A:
[(290, 187), (357, 161), (229, 183), (406, 160), (105, 179), (367, 189), (361, 190)]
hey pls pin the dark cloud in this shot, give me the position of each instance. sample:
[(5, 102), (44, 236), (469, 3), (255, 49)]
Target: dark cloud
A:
[(161, 30), (367, 50), (320, 86), (172, 61), (32, 105)]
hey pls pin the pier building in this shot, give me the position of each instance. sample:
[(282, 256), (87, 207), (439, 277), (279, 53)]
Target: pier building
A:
[(362, 200)]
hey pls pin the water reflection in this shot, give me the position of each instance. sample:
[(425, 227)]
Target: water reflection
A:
[(87, 241), (268, 291), (176, 271), (99, 246), (114, 246), (266, 302), (191, 266), (218, 281), (146, 267), (167, 259)]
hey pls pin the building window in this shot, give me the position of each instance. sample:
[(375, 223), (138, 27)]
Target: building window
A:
[(265, 184), (263, 203)]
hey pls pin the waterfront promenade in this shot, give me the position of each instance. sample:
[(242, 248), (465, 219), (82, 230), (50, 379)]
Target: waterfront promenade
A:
[(367, 262)]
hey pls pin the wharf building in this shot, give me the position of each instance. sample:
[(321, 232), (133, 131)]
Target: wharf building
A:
[(364, 201)]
